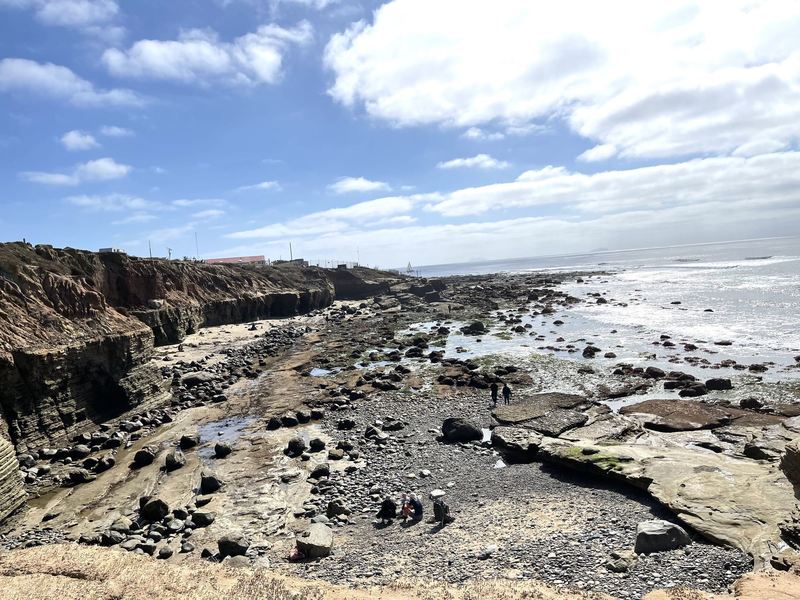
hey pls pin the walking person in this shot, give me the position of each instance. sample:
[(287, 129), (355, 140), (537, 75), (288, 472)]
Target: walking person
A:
[(506, 393), (494, 388)]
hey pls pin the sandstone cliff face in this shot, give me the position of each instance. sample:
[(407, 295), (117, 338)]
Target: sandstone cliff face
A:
[(12, 493), (78, 328)]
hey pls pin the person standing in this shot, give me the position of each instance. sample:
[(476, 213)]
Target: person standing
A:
[(506, 393), (493, 388)]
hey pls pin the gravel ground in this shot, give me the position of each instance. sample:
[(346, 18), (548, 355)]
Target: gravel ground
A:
[(518, 521)]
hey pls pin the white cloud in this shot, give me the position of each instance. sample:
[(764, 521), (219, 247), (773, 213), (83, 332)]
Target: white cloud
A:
[(667, 80), (114, 131), (102, 169), (346, 185), (476, 133), (211, 213), (334, 219), (113, 203), (713, 198), (479, 161), (200, 57), (599, 152), (19, 75), (264, 185), (68, 13), (78, 140), (188, 203), (135, 219)]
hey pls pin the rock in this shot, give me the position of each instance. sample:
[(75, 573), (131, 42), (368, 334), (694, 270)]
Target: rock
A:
[(295, 447), (474, 328), (122, 525), (191, 380), (659, 536), (620, 561), (77, 476), (203, 518), (750, 403), (112, 538), (535, 406), (336, 508), (175, 460), (335, 454), (316, 445), (237, 562), (345, 424), (557, 421), (455, 429), (289, 420), (790, 461), (144, 457), (320, 471), (189, 441), (487, 552), (209, 483), (222, 449), (516, 439), (274, 423), (677, 415), (155, 510), (316, 541), (654, 373), (718, 384), (232, 545), (80, 451), (164, 552)]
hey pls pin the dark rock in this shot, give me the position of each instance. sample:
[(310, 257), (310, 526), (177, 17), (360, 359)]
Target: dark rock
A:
[(456, 429), (295, 447), (144, 457), (209, 483), (222, 449), (718, 384), (189, 441), (155, 510), (175, 460), (232, 545), (659, 536)]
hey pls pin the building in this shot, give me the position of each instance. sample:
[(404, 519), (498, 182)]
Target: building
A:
[(238, 260), (111, 251)]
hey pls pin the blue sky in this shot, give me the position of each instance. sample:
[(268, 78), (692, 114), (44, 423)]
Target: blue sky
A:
[(398, 131)]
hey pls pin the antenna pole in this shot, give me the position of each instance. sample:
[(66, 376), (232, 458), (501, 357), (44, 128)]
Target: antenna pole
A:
[(196, 247), (150, 249), (291, 256)]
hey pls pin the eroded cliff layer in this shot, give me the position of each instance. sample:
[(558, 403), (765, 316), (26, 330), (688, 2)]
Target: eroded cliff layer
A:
[(78, 328)]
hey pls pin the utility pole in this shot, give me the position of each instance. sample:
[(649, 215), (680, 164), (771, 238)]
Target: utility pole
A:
[(358, 256), (169, 253), (291, 256), (196, 247), (150, 249)]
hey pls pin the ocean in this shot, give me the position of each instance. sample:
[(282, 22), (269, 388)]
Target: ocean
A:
[(752, 287)]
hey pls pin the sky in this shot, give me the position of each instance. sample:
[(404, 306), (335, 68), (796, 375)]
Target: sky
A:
[(393, 132)]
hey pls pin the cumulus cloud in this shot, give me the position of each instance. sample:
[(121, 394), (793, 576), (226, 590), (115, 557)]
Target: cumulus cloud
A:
[(346, 185), (114, 131), (198, 56), (476, 133), (674, 203), (78, 140), (68, 13), (102, 169), (205, 215), (667, 80), (479, 161), (19, 75)]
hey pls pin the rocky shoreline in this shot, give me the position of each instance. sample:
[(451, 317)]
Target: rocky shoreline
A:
[(307, 424)]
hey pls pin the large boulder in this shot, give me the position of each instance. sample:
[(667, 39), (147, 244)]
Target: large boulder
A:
[(295, 447), (232, 545), (316, 541), (189, 441), (209, 483), (516, 439), (222, 449), (203, 518), (191, 380), (144, 457), (456, 429), (717, 384), (790, 461), (659, 536), (175, 460), (154, 510)]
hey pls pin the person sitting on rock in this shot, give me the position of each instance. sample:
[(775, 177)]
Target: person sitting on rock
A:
[(493, 388), (416, 505), (441, 512), (388, 511), (506, 393), (405, 507)]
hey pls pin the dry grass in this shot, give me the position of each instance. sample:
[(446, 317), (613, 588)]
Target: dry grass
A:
[(71, 572)]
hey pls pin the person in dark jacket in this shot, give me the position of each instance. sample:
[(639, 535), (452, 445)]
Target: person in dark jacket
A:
[(388, 511), (506, 393), (493, 388)]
